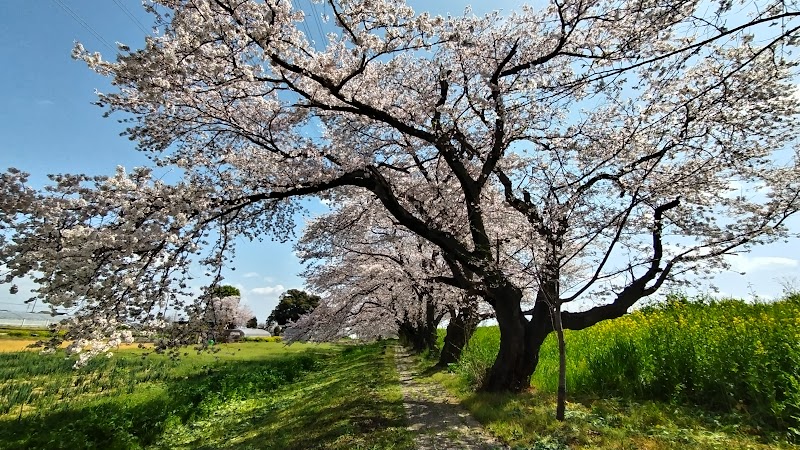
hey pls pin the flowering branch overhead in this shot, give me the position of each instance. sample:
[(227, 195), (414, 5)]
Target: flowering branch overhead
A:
[(541, 153)]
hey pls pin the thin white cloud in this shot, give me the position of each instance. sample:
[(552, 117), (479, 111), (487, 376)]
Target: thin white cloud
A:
[(751, 295), (45, 102), (747, 264), (268, 290), (251, 275)]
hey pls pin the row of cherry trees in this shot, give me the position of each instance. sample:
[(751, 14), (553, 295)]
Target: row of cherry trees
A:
[(380, 280), (586, 152)]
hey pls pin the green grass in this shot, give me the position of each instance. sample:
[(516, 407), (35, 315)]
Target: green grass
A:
[(688, 374), (527, 420), (247, 395), (24, 333)]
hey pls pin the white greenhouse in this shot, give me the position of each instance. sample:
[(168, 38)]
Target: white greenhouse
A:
[(23, 319)]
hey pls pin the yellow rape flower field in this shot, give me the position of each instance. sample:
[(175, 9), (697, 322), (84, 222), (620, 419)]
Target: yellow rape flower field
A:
[(688, 373)]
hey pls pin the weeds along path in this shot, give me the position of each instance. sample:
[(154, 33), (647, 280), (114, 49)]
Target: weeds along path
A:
[(437, 420)]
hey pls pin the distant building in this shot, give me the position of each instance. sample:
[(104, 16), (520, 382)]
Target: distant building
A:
[(237, 334), (27, 319)]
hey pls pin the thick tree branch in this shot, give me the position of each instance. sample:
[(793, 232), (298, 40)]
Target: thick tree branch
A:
[(636, 290)]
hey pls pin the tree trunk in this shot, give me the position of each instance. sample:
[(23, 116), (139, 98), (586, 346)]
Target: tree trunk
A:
[(418, 337), (459, 330), (405, 334), (415, 338), (513, 366), (520, 342), (426, 340)]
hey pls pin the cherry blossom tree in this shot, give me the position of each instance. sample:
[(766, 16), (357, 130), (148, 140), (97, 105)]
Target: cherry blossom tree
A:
[(375, 276), (382, 277), (614, 129), (229, 312), (226, 309)]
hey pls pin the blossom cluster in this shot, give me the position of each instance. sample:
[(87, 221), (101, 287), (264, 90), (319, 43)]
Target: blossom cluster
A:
[(586, 149)]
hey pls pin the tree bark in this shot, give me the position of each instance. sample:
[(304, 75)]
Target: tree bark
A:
[(459, 330), (520, 341), (515, 361), (420, 336)]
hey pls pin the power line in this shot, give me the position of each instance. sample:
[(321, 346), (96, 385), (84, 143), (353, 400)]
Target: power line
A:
[(131, 16), (305, 23), (83, 23), (317, 18)]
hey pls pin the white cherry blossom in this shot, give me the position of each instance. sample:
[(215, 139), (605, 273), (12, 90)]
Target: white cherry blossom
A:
[(552, 153)]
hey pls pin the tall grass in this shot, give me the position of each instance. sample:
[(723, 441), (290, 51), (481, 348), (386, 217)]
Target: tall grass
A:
[(725, 355), (247, 395), (127, 401)]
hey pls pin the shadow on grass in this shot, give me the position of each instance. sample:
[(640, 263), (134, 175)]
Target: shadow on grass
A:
[(138, 419), (430, 371), (340, 399), (528, 419), (355, 402)]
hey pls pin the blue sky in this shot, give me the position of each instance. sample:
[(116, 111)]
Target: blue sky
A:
[(48, 125)]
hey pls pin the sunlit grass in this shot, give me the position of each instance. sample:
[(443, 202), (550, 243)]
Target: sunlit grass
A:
[(247, 395), (528, 419), (689, 374), (354, 403)]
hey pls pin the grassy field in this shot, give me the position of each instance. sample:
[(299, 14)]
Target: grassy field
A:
[(688, 374), (248, 395), (17, 333)]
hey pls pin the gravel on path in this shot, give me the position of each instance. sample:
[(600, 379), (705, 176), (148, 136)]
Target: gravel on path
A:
[(437, 420)]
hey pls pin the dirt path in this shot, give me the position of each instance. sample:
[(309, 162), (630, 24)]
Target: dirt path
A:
[(436, 419)]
